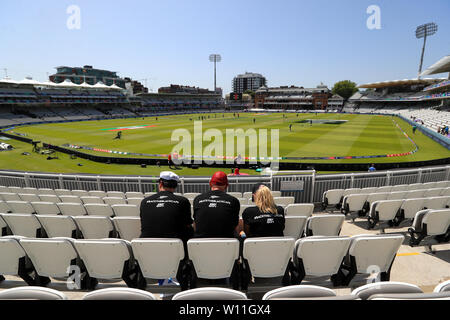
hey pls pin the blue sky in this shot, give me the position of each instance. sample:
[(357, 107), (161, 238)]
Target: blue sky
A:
[(290, 42)]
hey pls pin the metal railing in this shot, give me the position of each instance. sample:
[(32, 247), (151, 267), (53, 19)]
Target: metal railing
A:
[(313, 185)]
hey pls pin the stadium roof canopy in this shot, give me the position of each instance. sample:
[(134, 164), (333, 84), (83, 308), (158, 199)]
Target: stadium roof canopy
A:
[(442, 66), (396, 83)]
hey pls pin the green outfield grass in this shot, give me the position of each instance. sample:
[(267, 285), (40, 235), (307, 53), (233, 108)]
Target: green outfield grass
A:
[(361, 135)]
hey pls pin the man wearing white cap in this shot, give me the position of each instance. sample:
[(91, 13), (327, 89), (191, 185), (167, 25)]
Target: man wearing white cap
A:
[(166, 215)]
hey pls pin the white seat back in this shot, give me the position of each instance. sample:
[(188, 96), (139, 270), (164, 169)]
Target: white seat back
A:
[(114, 200), (322, 256), (213, 258), (10, 251), (115, 194), (411, 206), (414, 194), (23, 224), (98, 209), (104, 259), (4, 208), (235, 194), (284, 201), (20, 206), (384, 189), (333, 196), (9, 197), (356, 201), (387, 209), (49, 198), (441, 184), (191, 196), (399, 195), (121, 294), (63, 192), (435, 202), (50, 257), (72, 209), (325, 225), (92, 199), (32, 293), (401, 187), (210, 293), (129, 228), (93, 227), (70, 199), (294, 226), (169, 252), (46, 208), (374, 250), (58, 226), (28, 190), (97, 193), (80, 193), (46, 191), (299, 209), (133, 194), (126, 210), (29, 197), (437, 221), (135, 201), (268, 257), (432, 193)]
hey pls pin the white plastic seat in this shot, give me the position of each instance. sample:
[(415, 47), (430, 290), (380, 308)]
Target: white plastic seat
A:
[(29, 190), (384, 189), (115, 194), (32, 293), (170, 253), (49, 198), (94, 227), (235, 194), (298, 292), (191, 196), (369, 190), (4, 208), (129, 228), (414, 194), (399, 195), (114, 200), (23, 224), (429, 185), (432, 193), (119, 294), (243, 201), (430, 223), (441, 184), (294, 226), (97, 193), (58, 226), (3, 227), (284, 201), (70, 199), (15, 190), (14, 261), (367, 251), (435, 203), (210, 293), (276, 194), (319, 256), (126, 210), (72, 209), (45, 208), (214, 258), (411, 296), (445, 192), (383, 210), (132, 194), (332, 197), (4, 189), (247, 195), (98, 209), (354, 203), (410, 207), (54, 258), (108, 259), (324, 225), (401, 187), (415, 186), (46, 191), (63, 192), (80, 193), (149, 194), (91, 199), (9, 197), (135, 201), (29, 197), (20, 207), (268, 257), (364, 292), (299, 209)]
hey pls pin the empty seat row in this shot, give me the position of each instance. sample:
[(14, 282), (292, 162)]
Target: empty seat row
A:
[(69, 199), (372, 291), (103, 194), (362, 204), (341, 258), (334, 197)]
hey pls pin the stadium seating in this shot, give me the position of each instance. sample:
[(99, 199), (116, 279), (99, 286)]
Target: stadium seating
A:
[(23, 224), (32, 293), (95, 227), (15, 261), (368, 290), (125, 210), (265, 258), (128, 228), (214, 259), (299, 209), (58, 226), (294, 226), (430, 223), (119, 294), (298, 292), (210, 293), (443, 287), (324, 225)]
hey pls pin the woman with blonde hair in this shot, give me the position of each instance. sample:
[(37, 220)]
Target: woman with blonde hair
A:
[(266, 219)]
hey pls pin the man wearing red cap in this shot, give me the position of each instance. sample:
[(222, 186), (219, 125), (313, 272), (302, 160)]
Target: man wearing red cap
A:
[(216, 213)]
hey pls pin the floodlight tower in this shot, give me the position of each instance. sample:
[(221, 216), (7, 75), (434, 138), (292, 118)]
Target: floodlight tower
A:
[(215, 58), (425, 31)]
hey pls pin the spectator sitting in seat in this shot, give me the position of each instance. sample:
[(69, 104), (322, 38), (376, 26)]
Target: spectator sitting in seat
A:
[(265, 219), (216, 213)]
